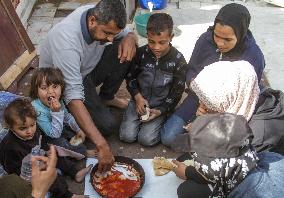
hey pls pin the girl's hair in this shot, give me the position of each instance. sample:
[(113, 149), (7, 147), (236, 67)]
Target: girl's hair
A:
[(50, 75), (20, 108)]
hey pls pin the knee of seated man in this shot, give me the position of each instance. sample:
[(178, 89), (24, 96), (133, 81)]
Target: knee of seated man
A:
[(109, 127)]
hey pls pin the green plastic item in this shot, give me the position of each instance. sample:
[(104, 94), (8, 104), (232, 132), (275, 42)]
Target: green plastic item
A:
[(141, 23)]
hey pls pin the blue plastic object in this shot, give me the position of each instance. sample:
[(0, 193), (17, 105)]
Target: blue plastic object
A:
[(158, 4), (141, 23)]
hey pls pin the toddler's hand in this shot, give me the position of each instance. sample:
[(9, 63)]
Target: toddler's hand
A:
[(54, 105), (81, 135)]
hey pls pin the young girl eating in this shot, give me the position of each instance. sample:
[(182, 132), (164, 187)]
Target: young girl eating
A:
[(56, 123)]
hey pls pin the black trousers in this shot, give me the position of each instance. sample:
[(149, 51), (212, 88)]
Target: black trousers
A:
[(109, 73)]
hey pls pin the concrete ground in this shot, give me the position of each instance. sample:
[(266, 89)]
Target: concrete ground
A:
[(191, 19)]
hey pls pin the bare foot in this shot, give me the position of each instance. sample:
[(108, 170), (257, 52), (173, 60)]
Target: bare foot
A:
[(80, 176), (92, 153), (117, 102)]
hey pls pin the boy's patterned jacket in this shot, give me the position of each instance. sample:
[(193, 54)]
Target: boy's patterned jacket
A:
[(160, 81)]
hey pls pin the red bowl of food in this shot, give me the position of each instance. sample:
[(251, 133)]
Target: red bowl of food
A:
[(125, 179)]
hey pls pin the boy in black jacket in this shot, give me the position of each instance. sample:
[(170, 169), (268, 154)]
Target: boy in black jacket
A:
[(156, 82)]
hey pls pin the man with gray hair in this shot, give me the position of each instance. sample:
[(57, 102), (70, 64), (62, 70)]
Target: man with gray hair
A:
[(92, 47)]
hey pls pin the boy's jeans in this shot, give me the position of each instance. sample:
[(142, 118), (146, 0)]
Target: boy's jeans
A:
[(132, 129)]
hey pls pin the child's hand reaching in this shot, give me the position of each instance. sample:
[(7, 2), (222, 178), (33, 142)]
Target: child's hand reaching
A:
[(81, 135), (180, 169), (54, 104)]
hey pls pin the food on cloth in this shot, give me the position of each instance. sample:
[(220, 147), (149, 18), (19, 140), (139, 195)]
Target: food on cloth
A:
[(122, 181), (162, 166)]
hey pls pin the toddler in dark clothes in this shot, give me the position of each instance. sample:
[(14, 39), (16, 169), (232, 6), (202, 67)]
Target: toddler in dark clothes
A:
[(20, 118)]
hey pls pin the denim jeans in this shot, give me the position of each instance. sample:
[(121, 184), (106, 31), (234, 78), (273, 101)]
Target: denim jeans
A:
[(132, 129), (266, 181), (174, 124), (109, 73), (172, 127)]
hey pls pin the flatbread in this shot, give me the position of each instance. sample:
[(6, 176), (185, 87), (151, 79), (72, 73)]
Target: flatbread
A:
[(75, 141), (162, 166), (146, 115)]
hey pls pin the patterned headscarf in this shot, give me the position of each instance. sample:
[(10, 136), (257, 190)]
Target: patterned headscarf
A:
[(226, 86)]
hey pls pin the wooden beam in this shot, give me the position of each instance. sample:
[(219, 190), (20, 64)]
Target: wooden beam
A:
[(16, 69), (18, 24)]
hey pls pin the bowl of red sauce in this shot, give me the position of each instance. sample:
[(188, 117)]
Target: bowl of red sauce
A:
[(125, 179)]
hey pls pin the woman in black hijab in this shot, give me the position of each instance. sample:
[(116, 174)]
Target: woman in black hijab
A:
[(229, 39)]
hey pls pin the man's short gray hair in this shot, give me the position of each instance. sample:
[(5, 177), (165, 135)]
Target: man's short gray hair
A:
[(108, 10)]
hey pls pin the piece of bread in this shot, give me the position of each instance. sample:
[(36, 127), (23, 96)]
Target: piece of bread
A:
[(162, 166), (75, 141), (146, 116)]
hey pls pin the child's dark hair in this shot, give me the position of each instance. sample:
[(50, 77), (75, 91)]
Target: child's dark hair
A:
[(19, 108), (160, 22), (51, 76)]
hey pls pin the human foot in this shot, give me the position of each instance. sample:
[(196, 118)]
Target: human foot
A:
[(79, 177), (92, 153), (117, 102)]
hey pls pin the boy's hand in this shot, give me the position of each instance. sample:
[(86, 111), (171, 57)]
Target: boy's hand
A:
[(180, 169), (141, 104), (54, 104), (154, 113)]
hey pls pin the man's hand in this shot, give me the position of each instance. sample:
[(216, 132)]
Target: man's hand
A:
[(154, 113), (141, 104), (43, 179), (180, 169), (84, 120), (54, 104), (127, 47), (105, 158)]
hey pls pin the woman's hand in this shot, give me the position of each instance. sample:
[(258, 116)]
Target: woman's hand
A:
[(180, 169)]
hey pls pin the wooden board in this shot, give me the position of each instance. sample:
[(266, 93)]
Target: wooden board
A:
[(17, 50)]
